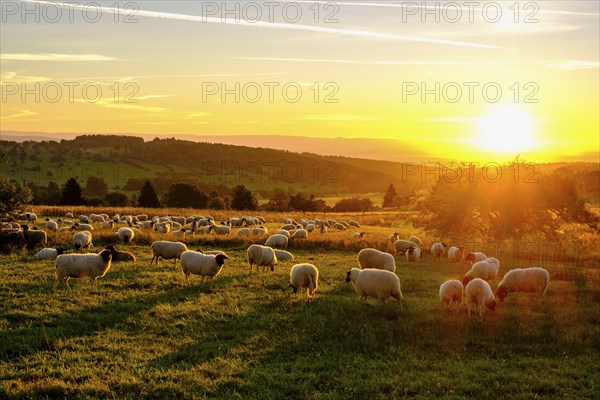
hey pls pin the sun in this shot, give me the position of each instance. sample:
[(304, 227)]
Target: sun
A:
[(505, 130)]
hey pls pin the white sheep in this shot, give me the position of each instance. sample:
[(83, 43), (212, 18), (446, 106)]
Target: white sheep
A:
[(261, 256), (526, 280), (284, 232), (278, 241), (49, 253), (354, 224), (81, 266), (220, 229), (107, 225), (84, 219), (455, 254), (373, 258), (69, 215), (83, 227), (451, 292), (479, 293), (163, 227), (438, 249), (393, 237), (376, 283), (96, 218), (166, 250), (402, 245), (486, 270), (283, 255), (260, 231), (413, 254), (300, 234), (475, 257), (310, 227), (339, 226), (243, 232), (33, 237), (323, 228), (51, 225), (304, 276), (193, 262), (288, 227), (82, 240), (415, 240), (125, 235)]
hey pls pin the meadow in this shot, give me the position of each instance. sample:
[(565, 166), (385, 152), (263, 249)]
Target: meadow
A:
[(145, 334)]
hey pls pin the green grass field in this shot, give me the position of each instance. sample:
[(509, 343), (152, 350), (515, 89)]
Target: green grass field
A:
[(145, 334)]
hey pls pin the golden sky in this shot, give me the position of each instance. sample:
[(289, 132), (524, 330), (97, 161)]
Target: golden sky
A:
[(458, 80)]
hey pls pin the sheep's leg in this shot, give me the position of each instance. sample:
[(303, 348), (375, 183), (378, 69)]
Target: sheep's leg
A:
[(56, 282), (187, 278)]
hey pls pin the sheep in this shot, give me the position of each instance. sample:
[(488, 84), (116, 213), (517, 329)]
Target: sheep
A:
[(402, 245), (413, 254), (323, 228), (51, 225), (415, 240), (82, 227), (376, 283), (81, 266), (193, 262), (65, 222), (142, 217), (475, 257), (163, 249), (107, 225), (10, 239), (96, 218), (486, 270), (526, 280), (259, 231), (300, 234), (344, 223), (163, 227), (82, 240), (182, 232), (288, 227), (278, 241), (358, 235), (148, 225), (84, 219), (455, 254), (125, 235), (243, 232), (120, 255), (451, 292), (283, 255), (354, 224), (33, 237), (261, 256), (373, 258), (438, 249), (49, 253), (31, 217), (310, 227), (179, 220), (304, 276), (220, 229), (69, 215), (479, 293), (339, 226)]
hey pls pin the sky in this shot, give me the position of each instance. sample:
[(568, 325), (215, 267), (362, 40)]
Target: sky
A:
[(461, 80)]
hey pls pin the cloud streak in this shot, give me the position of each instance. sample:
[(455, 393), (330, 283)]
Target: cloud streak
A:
[(571, 65), (278, 25), (371, 62), (53, 57)]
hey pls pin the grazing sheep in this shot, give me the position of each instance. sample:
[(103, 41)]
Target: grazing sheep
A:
[(260, 231), (354, 224), (451, 292), (358, 235), (193, 262), (310, 227), (413, 254), (376, 283), (455, 254), (82, 240), (179, 220), (479, 293), (288, 227), (402, 245), (300, 234), (165, 250), (475, 257), (84, 219), (373, 258), (31, 217), (415, 240), (107, 225), (526, 280), (69, 215), (49, 253), (65, 222), (304, 276), (220, 229), (339, 226), (10, 239), (125, 235), (81, 266), (163, 227), (486, 270), (323, 228), (261, 256), (438, 249), (120, 255), (82, 227), (142, 217), (33, 237), (51, 225), (277, 241), (243, 232), (284, 232), (96, 218), (283, 255)]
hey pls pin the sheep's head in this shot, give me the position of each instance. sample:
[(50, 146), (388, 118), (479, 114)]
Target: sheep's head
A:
[(106, 256), (25, 227), (444, 244), (348, 276), (111, 249), (466, 280), (491, 305), (60, 251), (501, 293), (221, 259)]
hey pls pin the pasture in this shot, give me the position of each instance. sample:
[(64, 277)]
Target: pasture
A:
[(145, 334)]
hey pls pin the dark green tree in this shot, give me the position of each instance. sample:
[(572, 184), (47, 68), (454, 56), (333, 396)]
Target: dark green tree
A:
[(390, 196), (116, 199), (243, 199), (71, 194), (186, 196), (95, 186), (148, 197), (13, 197)]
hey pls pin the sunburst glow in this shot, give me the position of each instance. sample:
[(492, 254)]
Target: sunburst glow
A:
[(506, 130)]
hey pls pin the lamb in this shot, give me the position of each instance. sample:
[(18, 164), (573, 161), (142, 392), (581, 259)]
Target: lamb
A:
[(373, 258), (243, 232), (358, 235), (220, 229), (486, 270), (479, 293), (304, 276), (283, 255), (81, 266), (451, 292), (120, 255), (82, 240), (300, 234), (278, 241), (475, 257), (413, 254), (126, 235), (51, 225), (49, 253), (438, 249), (193, 262), (526, 280), (455, 254), (376, 283), (33, 237), (261, 256), (163, 249), (402, 245)]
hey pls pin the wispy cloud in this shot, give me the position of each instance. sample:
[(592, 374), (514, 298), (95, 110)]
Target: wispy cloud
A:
[(14, 77), (124, 106), (53, 57), (571, 65), (370, 62), (339, 117), (278, 25), (20, 114)]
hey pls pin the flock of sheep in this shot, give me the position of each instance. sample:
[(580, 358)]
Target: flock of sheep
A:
[(375, 276)]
